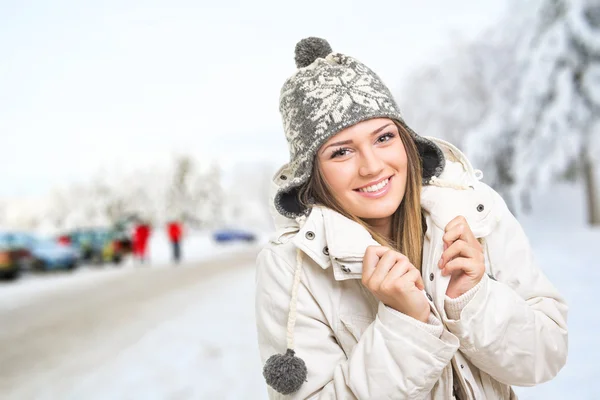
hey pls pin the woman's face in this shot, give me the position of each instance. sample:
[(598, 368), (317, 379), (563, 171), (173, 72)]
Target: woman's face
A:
[(365, 166)]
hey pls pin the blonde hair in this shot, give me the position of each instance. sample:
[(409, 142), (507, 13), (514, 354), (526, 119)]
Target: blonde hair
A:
[(407, 220)]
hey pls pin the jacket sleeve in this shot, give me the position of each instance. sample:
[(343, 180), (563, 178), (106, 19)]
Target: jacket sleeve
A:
[(515, 326), (394, 358)]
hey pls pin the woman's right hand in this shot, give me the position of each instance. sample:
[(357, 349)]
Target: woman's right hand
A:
[(395, 282)]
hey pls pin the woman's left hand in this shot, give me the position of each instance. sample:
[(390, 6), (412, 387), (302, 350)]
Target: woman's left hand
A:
[(462, 259)]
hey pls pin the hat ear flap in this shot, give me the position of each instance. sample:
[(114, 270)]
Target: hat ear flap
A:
[(432, 158), (288, 202)]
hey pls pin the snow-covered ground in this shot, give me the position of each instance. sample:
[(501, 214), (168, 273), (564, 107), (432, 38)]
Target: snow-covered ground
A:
[(565, 249), (206, 348), (152, 331)]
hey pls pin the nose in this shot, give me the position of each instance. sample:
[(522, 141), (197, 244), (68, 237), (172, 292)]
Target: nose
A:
[(370, 163)]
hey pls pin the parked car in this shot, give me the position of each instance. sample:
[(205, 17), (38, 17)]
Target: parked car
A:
[(84, 241), (233, 235), (99, 245), (119, 246), (10, 258), (47, 254)]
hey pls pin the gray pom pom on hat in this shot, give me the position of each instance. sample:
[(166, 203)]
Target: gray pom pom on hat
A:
[(309, 49)]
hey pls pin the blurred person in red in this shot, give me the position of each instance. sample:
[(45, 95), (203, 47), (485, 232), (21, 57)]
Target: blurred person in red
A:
[(141, 235), (64, 240), (174, 230)]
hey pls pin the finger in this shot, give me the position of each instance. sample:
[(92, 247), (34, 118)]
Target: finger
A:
[(370, 260), (455, 221), (456, 232), (467, 265), (400, 268), (385, 264), (458, 248), (459, 231), (420, 284), (402, 276), (414, 276)]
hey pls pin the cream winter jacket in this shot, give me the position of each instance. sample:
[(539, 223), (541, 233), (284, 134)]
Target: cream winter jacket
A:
[(510, 329)]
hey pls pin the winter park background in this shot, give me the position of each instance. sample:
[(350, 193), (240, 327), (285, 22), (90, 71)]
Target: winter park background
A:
[(169, 111)]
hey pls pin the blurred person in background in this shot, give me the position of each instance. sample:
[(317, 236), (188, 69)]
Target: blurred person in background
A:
[(141, 234), (394, 272), (174, 231), (64, 240)]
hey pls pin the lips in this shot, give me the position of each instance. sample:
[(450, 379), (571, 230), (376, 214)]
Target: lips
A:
[(374, 186), (376, 190)]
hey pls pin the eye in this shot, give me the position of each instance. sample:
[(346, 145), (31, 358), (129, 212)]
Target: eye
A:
[(386, 137), (340, 152)]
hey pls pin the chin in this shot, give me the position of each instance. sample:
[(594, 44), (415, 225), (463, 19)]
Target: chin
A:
[(377, 211)]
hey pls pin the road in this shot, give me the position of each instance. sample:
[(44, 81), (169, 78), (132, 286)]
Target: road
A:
[(54, 340)]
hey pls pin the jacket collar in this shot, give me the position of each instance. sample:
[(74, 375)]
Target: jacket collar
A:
[(327, 235)]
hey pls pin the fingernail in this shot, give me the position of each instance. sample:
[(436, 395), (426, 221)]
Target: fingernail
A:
[(441, 262)]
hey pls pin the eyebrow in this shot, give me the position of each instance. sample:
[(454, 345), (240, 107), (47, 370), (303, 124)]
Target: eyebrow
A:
[(375, 132)]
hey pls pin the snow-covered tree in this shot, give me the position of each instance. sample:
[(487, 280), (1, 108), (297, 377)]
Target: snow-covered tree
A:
[(209, 196), (466, 96), (490, 144), (523, 100), (248, 195), (180, 199), (558, 108)]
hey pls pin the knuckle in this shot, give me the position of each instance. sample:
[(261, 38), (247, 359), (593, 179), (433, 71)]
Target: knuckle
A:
[(398, 285), (386, 287)]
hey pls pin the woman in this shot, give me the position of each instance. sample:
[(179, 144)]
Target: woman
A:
[(394, 273)]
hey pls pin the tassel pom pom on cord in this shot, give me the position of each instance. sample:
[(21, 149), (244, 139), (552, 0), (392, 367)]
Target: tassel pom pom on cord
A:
[(285, 372)]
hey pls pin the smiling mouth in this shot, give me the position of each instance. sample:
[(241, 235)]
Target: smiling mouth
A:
[(376, 187)]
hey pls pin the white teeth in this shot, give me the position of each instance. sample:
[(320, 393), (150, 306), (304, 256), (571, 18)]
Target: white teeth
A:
[(375, 188)]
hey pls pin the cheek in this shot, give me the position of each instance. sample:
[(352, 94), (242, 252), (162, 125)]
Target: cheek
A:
[(338, 175), (397, 159), (403, 165)]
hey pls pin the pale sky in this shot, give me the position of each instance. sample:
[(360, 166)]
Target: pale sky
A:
[(86, 86)]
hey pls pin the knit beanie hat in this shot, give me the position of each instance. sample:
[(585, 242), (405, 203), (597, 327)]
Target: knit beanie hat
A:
[(328, 93)]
